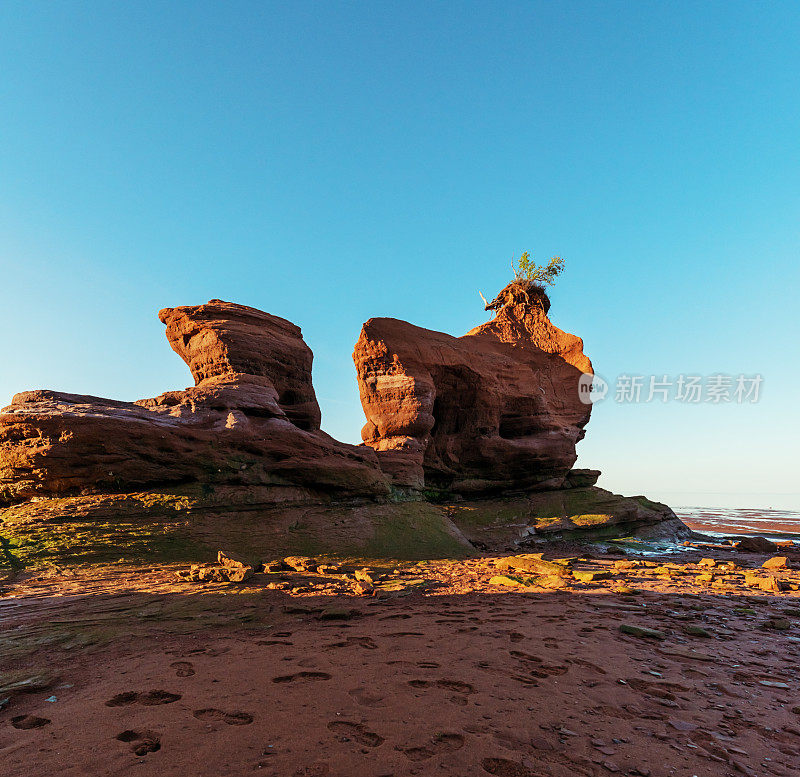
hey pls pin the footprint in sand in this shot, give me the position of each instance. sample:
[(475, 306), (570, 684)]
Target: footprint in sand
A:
[(150, 699), (182, 668), (301, 676), (548, 670), (356, 732), (214, 715), (540, 668), (213, 652), (588, 665), (450, 685), (142, 742), (366, 699), (524, 679), (525, 656), (28, 721), (364, 642), (440, 743)]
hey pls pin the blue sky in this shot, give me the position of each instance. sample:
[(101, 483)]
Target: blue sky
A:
[(330, 162)]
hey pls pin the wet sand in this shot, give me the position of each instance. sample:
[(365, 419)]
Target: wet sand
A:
[(440, 673), (722, 521)]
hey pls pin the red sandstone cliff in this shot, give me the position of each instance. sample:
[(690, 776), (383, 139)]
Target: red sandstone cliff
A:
[(495, 409)]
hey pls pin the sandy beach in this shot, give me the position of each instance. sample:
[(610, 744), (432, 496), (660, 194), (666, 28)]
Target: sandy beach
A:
[(654, 667)]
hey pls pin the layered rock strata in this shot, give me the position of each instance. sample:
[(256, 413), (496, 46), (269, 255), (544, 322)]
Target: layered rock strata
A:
[(496, 409), (469, 442), (251, 419)]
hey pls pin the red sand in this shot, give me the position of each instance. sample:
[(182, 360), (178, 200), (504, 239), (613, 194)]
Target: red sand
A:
[(464, 680)]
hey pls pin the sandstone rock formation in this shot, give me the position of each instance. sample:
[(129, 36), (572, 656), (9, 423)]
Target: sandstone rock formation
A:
[(494, 410), (251, 419), (453, 425), (249, 361)]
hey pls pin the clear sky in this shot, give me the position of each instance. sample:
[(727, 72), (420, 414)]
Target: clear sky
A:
[(330, 162)]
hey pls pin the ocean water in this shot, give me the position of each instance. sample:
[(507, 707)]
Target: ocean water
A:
[(725, 521)]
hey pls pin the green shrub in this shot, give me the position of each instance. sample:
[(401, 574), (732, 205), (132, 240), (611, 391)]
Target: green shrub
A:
[(542, 274)]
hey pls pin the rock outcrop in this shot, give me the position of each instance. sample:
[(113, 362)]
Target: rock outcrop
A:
[(252, 419), (469, 443), (578, 511), (242, 360), (496, 409)]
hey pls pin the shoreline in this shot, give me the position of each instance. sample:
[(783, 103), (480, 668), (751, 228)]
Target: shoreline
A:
[(722, 522)]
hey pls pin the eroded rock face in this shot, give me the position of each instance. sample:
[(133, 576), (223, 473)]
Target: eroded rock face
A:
[(226, 344), (495, 409), (251, 419)]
